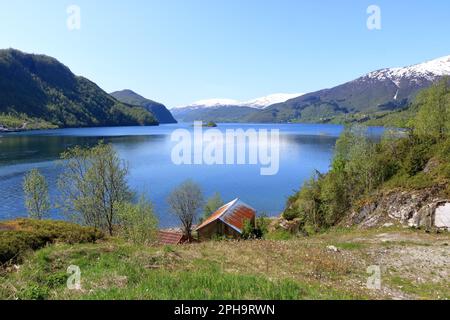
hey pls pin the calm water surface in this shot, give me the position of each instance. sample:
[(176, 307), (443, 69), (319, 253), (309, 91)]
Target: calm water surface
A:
[(303, 149)]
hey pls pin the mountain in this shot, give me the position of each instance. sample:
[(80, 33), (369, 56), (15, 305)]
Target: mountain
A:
[(379, 91), (227, 110), (157, 109), (40, 87)]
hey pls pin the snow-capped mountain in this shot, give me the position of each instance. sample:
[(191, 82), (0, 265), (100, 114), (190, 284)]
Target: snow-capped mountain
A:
[(210, 103), (382, 90), (429, 71), (269, 100), (259, 103)]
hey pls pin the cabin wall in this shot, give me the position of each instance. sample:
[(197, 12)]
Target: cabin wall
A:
[(217, 229)]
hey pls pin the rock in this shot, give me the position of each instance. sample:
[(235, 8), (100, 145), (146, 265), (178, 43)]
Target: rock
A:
[(417, 209), (332, 248), (431, 165), (365, 211), (442, 216), (293, 226), (388, 225)]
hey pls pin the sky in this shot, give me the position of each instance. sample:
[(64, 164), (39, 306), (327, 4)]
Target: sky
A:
[(180, 51)]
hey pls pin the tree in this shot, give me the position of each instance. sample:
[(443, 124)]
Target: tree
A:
[(93, 185), (185, 201), (211, 206), (138, 222), (433, 115), (36, 195)]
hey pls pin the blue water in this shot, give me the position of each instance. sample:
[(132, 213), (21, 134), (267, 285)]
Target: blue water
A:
[(303, 149)]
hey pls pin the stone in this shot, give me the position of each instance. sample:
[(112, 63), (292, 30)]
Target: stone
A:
[(442, 216), (431, 165), (332, 248)]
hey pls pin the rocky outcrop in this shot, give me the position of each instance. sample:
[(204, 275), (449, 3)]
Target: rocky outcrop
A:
[(418, 209), (292, 226)]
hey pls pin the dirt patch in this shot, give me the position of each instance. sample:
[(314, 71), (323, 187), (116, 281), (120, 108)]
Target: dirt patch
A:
[(421, 264)]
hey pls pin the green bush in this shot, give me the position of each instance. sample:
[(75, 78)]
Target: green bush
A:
[(256, 230), (34, 292), (138, 222), (26, 234)]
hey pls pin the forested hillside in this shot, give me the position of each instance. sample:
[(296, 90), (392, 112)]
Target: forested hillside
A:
[(38, 88), (362, 169)]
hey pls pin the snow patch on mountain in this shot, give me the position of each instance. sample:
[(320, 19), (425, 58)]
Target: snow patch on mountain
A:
[(212, 103), (269, 100), (430, 71), (259, 103)]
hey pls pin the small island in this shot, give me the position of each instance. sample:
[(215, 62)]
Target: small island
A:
[(209, 124)]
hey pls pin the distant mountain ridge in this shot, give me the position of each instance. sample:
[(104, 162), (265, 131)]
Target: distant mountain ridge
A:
[(382, 90), (378, 92), (227, 110), (41, 87), (159, 110), (258, 103)]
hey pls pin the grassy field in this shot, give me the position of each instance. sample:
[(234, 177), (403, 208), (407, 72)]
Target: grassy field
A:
[(23, 122), (414, 265)]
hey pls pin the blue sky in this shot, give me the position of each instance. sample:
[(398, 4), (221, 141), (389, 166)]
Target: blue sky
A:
[(180, 51)]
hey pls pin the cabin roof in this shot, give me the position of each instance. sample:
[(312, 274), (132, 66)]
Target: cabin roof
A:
[(169, 237), (232, 214)]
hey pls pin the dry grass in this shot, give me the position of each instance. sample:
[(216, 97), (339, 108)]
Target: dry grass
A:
[(302, 268)]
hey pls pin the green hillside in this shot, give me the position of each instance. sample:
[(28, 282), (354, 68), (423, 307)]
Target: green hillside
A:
[(159, 110), (39, 87)]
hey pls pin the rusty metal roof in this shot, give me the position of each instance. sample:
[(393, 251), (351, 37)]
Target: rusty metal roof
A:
[(234, 214), (167, 237)]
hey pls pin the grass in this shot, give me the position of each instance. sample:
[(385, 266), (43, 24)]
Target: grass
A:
[(295, 268), (424, 291), (116, 270), (350, 246)]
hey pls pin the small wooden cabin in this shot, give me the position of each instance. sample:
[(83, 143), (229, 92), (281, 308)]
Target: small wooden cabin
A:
[(227, 221)]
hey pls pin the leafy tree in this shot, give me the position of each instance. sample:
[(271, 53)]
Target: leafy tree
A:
[(358, 167), (36, 195), (93, 185), (138, 222), (185, 201), (433, 116), (211, 206)]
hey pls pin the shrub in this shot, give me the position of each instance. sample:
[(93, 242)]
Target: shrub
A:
[(34, 292), (37, 200), (26, 234), (255, 230), (138, 222)]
